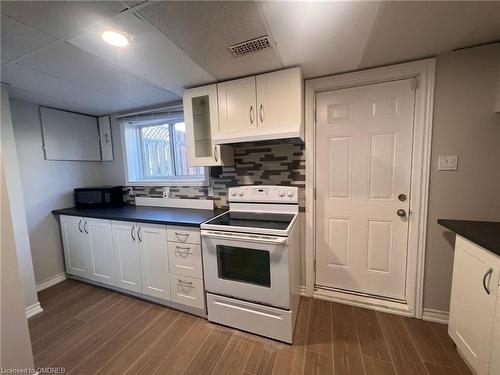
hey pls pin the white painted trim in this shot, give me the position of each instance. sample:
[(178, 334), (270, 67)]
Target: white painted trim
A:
[(59, 278), (424, 71), (436, 316), (370, 303), (33, 310), (201, 204)]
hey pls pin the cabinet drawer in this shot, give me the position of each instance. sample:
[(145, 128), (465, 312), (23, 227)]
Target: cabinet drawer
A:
[(185, 259), (187, 291), (183, 234)]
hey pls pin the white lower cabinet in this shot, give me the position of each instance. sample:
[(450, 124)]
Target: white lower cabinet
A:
[(102, 261), (76, 246), (153, 255), (126, 248), (187, 291), (473, 306), (136, 257)]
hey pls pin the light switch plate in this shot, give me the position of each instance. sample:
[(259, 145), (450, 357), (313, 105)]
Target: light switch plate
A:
[(448, 162)]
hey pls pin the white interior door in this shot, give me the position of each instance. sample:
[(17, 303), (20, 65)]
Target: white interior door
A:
[(102, 262), (154, 260), (363, 165), (126, 247)]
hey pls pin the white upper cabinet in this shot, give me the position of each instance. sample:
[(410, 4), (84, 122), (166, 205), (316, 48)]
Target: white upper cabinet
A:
[(201, 116), (279, 99), (267, 106), (237, 105), (473, 303)]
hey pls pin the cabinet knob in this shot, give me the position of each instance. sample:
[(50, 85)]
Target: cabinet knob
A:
[(251, 114)]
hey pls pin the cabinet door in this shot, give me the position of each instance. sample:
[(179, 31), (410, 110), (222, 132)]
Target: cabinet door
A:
[(154, 260), (237, 104), (126, 248), (495, 351), (472, 309), (102, 262), (201, 116), (76, 246), (277, 91)]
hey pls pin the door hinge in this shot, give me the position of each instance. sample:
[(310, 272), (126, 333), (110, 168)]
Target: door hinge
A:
[(315, 112), (414, 84), (314, 193), (314, 265)]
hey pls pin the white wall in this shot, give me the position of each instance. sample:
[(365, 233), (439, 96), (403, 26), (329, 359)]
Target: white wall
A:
[(465, 125), (47, 185), (16, 201), (15, 345)]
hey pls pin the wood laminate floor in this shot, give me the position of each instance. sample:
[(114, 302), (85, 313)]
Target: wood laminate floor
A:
[(90, 330)]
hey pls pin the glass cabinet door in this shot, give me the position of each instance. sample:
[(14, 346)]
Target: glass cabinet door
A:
[(201, 116)]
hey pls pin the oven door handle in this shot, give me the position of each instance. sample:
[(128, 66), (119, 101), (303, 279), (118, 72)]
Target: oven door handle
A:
[(250, 238)]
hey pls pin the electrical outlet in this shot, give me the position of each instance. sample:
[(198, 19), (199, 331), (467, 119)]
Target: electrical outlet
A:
[(130, 191), (210, 191), (166, 192)]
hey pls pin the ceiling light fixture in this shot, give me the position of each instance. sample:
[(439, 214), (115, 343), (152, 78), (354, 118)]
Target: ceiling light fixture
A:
[(115, 38)]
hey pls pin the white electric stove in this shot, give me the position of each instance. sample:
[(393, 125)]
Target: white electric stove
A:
[(251, 261)]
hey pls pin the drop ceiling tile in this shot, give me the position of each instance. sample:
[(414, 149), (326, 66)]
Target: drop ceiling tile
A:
[(61, 19), (17, 93), (408, 30), (60, 89), (487, 32), (18, 39), (205, 30), (73, 64), (323, 37), (150, 55)]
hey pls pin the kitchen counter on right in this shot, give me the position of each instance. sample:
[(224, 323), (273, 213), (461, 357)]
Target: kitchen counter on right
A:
[(483, 233)]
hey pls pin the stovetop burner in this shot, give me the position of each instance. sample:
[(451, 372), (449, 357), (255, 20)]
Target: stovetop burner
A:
[(264, 220)]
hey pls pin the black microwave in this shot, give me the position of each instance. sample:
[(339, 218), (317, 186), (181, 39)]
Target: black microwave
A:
[(99, 196)]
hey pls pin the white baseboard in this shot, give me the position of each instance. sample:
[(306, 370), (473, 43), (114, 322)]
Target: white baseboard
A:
[(50, 282), (436, 316), (33, 310)]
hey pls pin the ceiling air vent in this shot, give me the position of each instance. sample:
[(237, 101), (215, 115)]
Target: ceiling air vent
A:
[(250, 46)]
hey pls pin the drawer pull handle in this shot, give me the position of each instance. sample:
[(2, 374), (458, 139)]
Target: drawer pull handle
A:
[(85, 227), (79, 226), (132, 232), (183, 251), (186, 284), (488, 273), (184, 235), (139, 234)]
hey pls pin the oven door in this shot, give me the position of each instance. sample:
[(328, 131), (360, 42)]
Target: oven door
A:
[(248, 267)]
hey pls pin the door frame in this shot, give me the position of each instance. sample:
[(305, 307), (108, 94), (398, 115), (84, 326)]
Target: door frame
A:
[(424, 72)]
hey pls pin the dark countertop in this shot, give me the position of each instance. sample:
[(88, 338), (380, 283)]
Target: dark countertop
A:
[(484, 233), (144, 214)]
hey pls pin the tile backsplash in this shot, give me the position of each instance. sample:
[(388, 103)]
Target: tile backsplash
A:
[(277, 162)]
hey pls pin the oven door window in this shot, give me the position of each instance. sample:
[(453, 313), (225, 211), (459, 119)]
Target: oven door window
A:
[(249, 266)]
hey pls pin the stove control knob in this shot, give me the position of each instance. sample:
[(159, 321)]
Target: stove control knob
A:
[(290, 193), (233, 193), (281, 193), (240, 192)]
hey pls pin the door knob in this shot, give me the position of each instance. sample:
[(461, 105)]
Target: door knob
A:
[(402, 197), (401, 212)]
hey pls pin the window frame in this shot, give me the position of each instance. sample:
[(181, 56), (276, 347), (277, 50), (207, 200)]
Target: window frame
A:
[(170, 181)]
